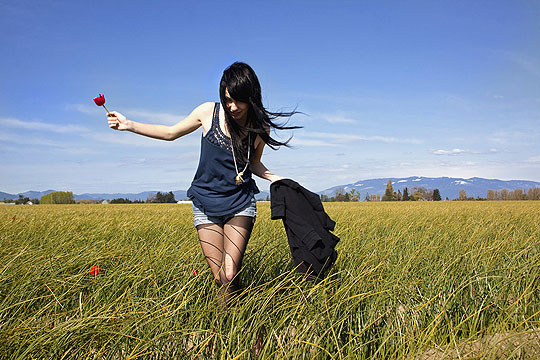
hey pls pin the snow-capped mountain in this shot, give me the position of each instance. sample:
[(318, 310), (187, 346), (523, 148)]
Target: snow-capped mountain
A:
[(448, 187)]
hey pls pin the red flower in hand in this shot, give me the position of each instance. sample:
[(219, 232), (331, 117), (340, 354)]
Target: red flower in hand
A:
[(100, 101), (94, 270)]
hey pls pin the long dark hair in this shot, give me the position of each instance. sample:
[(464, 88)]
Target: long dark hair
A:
[(243, 85)]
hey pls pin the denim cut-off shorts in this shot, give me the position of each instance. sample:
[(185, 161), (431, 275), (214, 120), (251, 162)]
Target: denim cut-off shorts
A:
[(201, 218)]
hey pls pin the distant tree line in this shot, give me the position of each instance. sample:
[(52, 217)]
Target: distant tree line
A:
[(415, 194), (517, 194), (21, 200), (162, 198), (66, 197), (462, 196), (58, 197), (125, 201), (342, 195), (159, 197), (504, 194)]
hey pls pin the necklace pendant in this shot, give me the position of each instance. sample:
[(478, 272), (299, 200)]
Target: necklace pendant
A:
[(238, 180)]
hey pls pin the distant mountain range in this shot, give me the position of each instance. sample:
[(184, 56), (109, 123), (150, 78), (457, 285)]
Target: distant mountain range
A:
[(448, 187), (178, 195)]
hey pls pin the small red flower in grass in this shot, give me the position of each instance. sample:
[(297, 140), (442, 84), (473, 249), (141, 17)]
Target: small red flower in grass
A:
[(13, 218), (194, 273), (94, 270)]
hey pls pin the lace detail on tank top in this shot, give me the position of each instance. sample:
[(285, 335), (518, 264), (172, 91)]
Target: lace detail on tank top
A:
[(217, 137)]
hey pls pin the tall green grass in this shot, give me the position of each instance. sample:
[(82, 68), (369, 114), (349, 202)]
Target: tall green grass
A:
[(412, 280)]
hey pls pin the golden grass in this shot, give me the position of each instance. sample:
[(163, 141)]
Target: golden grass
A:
[(411, 279)]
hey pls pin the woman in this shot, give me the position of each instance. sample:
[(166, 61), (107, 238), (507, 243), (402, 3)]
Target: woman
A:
[(234, 133)]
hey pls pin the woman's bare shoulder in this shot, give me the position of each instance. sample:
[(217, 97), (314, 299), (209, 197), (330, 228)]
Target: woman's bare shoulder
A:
[(204, 109), (204, 112)]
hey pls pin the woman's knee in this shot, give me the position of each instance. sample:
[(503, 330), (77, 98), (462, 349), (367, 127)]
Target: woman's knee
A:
[(230, 267)]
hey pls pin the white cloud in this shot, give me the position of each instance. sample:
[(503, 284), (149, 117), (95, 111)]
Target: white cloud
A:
[(140, 115), (125, 138), (86, 109), (111, 136), (28, 140), (450, 152), (461, 151), (42, 126), (337, 138), (299, 141), (335, 119)]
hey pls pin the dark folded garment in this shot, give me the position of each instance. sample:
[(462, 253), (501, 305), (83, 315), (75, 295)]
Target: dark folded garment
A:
[(307, 226)]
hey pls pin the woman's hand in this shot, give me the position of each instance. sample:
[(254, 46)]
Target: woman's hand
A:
[(275, 178), (118, 121)]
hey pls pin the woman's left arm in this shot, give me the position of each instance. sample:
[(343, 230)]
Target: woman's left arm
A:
[(258, 168)]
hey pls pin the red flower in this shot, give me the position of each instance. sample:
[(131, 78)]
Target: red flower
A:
[(94, 270), (100, 100), (13, 218), (194, 273)]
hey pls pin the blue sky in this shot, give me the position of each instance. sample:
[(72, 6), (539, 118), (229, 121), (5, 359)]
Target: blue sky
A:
[(390, 88)]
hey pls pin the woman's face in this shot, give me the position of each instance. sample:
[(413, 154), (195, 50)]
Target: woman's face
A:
[(238, 109)]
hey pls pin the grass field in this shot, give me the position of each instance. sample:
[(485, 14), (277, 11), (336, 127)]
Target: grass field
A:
[(422, 280)]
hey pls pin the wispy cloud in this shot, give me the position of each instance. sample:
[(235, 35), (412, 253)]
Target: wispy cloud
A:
[(519, 136), (110, 137), (134, 114), (85, 109), (42, 126), (336, 119), (309, 142), (534, 159), (462, 151), (337, 138), (526, 63), (450, 152), (125, 138), (29, 140)]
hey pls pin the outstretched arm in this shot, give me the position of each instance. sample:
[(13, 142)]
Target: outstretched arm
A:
[(191, 123), (258, 168)]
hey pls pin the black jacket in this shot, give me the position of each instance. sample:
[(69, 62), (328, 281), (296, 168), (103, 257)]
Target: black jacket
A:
[(307, 225)]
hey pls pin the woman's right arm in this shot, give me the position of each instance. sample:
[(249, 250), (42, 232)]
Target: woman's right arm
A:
[(191, 123)]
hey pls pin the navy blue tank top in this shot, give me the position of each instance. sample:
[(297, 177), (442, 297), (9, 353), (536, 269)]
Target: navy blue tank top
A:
[(213, 189)]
